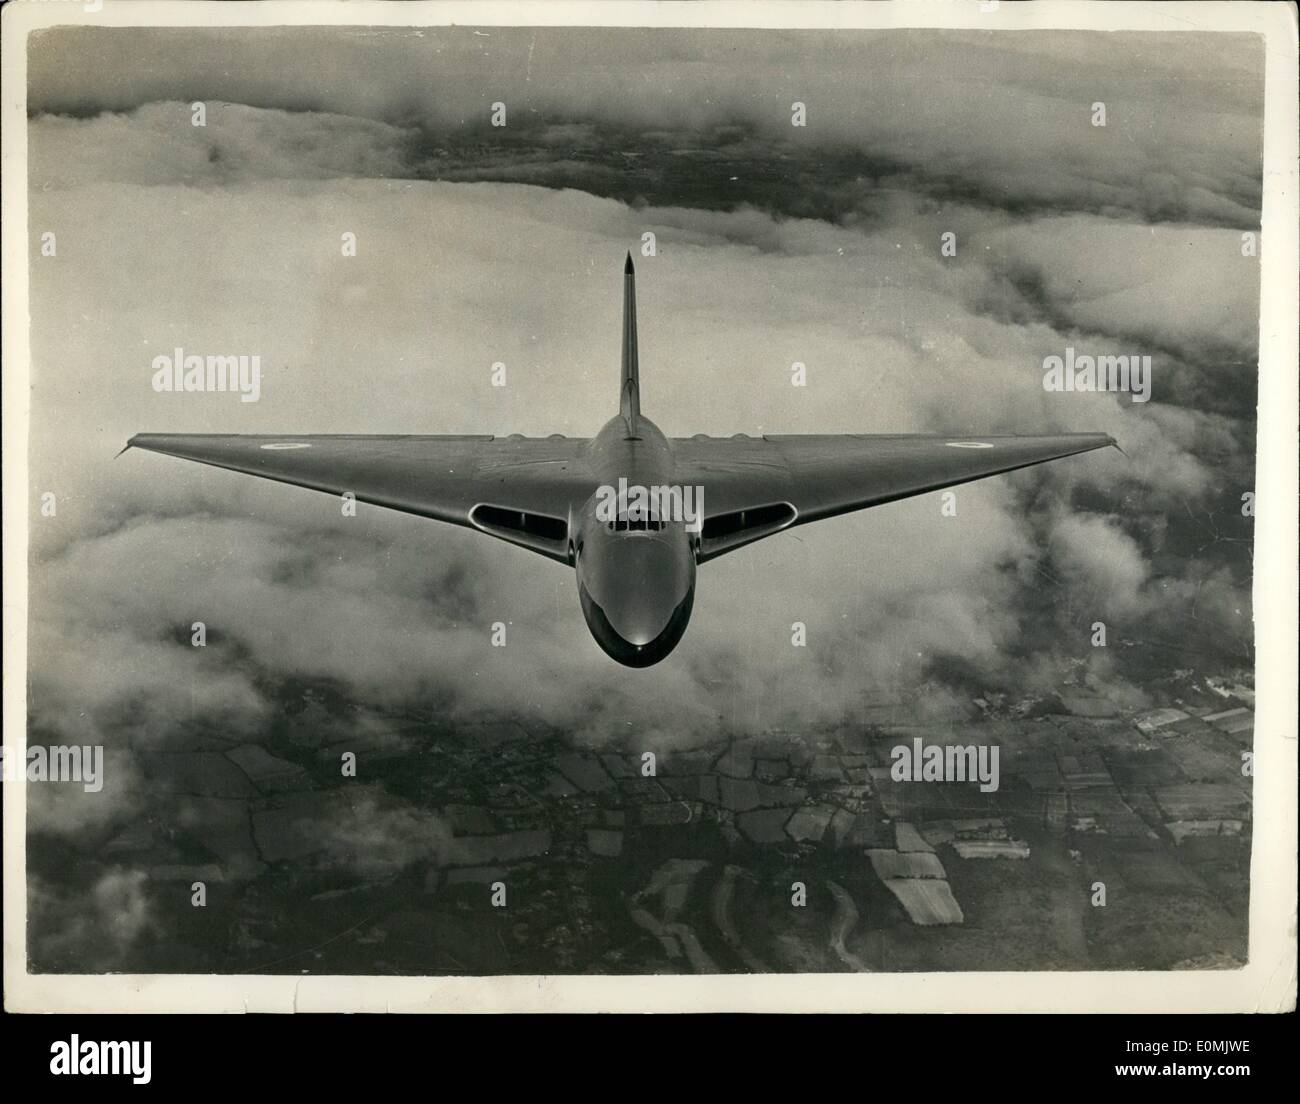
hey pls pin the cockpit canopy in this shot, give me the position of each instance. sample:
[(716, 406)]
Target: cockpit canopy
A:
[(631, 525)]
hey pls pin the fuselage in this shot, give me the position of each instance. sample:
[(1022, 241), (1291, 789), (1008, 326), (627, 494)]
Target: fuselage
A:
[(636, 579)]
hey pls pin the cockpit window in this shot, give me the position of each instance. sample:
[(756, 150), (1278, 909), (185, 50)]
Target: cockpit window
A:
[(627, 525)]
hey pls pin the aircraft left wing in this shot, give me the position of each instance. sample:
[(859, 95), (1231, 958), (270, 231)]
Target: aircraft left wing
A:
[(519, 489), (757, 486)]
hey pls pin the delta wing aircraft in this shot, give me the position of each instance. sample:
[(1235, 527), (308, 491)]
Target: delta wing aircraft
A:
[(556, 495)]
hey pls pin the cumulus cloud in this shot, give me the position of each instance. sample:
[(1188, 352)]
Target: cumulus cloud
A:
[(1105, 560), (375, 839), (67, 809), (158, 144), (91, 931)]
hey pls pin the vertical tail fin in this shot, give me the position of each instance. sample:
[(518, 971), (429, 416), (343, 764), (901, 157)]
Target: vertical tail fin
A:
[(630, 386)]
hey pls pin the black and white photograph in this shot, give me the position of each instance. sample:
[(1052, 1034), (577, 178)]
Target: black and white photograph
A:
[(529, 498)]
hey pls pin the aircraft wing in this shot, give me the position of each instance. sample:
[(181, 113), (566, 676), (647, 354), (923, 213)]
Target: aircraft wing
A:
[(757, 486), (519, 489)]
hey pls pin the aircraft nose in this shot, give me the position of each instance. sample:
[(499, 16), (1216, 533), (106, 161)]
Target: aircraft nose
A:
[(647, 589), (637, 596)]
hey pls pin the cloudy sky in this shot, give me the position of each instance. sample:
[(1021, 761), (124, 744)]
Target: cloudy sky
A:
[(775, 244)]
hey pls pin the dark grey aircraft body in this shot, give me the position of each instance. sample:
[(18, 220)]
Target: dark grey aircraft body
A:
[(636, 578)]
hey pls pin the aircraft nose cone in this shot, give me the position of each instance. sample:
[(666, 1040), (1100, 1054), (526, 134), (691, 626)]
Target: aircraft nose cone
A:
[(646, 592), (637, 597)]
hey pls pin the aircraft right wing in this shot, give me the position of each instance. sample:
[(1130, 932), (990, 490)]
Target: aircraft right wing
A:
[(757, 486), (519, 489)]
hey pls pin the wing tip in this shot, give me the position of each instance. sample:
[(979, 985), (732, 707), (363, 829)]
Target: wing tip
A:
[(628, 269)]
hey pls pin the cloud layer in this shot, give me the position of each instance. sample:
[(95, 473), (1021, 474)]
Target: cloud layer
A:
[(1000, 120)]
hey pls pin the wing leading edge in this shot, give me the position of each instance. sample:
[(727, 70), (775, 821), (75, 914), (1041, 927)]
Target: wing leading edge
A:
[(520, 489), (525, 490), (755, 487)]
